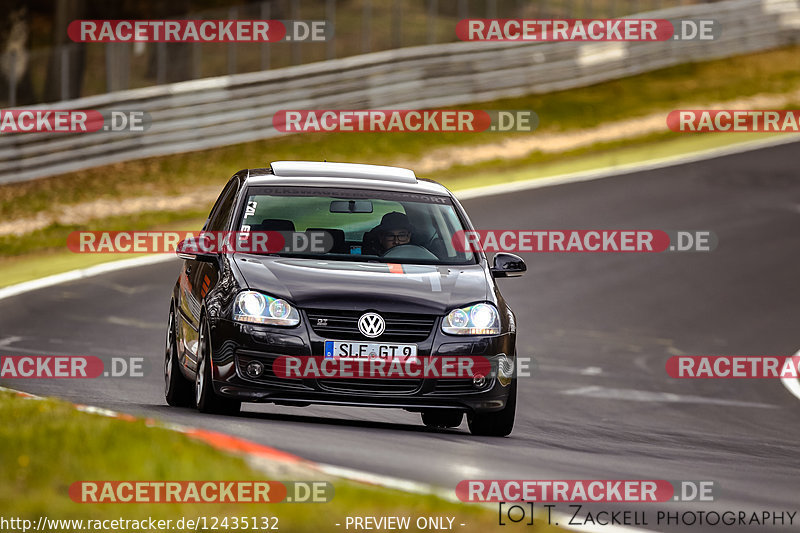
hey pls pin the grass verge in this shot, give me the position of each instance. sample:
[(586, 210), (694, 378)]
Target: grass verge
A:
[(34, 263), (46, 445), (598, 156), (695, 83)]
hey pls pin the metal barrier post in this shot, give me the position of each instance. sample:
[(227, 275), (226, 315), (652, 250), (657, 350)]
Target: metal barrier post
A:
[(296, 58), (433, 8), (397, 24), (330, 16), (233, 14), (265, 48), (161, 63), (366, 21), (64, 72), (12, 78), (197, 60)]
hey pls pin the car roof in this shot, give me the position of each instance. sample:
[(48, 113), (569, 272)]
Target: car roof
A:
[(347, 175)]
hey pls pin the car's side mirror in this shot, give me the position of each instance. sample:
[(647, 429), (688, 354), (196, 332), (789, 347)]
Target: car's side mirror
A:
[(193, 248), (507, 265)]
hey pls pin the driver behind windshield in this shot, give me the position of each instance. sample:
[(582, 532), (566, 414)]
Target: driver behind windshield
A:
[(394, 230)]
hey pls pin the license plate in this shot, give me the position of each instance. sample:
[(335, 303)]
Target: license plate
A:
[(368, 350)]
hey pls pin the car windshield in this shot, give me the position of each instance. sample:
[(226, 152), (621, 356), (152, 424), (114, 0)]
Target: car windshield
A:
[(357, 224)]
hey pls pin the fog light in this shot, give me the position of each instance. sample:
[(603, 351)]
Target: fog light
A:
[(505, 369), (479, 380), (254, 369)]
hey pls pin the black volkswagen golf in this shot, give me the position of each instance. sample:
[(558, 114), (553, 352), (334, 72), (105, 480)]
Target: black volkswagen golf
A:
[(386, 279)]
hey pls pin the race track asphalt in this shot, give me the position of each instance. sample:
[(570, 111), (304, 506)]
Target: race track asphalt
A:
[(599, 327)]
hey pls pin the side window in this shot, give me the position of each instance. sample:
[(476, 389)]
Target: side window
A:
[(221, 212)]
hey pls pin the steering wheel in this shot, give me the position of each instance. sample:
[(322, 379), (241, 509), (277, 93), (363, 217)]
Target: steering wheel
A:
[(410, 251)]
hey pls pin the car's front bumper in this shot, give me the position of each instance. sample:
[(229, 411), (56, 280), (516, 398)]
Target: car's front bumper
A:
[(235, 345)]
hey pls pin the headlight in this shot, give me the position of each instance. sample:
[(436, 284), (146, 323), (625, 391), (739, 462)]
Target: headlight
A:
[(251, 306), (478, 319)]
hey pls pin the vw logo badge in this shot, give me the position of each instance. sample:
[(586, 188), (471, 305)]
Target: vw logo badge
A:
[(371, 325)]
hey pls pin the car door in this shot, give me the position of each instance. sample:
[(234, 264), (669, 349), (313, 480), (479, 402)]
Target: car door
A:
[(198, 277)]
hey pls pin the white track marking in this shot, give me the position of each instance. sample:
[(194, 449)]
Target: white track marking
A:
[(9, 340), (792, 384), (595, 391), (82, 273)]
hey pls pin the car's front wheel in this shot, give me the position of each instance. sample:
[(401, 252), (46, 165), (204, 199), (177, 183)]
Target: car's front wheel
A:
[(177, 389), (206, 399), (497, 423)]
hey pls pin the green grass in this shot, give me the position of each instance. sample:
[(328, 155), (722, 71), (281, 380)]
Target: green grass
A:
[(46, 445), (34, 266), (597, 156), (54, 237), (38, 263)]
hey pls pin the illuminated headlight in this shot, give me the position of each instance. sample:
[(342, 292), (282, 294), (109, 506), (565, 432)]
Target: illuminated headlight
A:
[(478, 319), (257, 308)]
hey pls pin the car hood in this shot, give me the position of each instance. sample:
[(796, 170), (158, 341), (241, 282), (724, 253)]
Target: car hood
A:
[(358, 286)]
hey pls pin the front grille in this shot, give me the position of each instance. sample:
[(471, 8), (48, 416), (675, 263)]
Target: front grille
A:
[(371, 386), (400, 327)]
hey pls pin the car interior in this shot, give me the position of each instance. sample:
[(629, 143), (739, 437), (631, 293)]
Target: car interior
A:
[(358, 232)]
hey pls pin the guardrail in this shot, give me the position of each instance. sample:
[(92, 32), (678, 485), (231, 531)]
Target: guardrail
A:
[(212, 112), (43, 75)]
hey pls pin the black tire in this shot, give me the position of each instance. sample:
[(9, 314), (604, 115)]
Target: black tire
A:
[(177, 389), (497, 423), (206, 400), (442, 418)]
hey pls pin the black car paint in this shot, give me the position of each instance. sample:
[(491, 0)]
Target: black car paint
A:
[(207, 286)]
